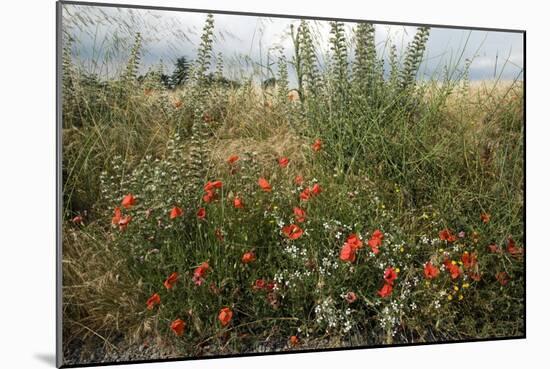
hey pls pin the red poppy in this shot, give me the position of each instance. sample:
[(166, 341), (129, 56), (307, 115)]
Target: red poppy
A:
[(264, 184), (128, 201), (201, 213), (347, 253), (316, 189), (292, 231), (238, 203), (317, 145), (233, 159), (209, 196), (469, 260), (200, 273), (283, 162), (390, 275), (170, 282), (503, 278), (209, 186), (305, 194), (178, 326), (354, 241), (116, 216), (375, 241), (79, 219), (176, 212), (430, 271), (201, 270), (454, 270), (270, 286), (152, 301), (485, 217), (513, 249), (124, 221), (259, 284), (447, 235), (299, 180), (248, 257), (386, 290), (294, 341), (350, 297), (225, 316), (299, 215), (494, 249)]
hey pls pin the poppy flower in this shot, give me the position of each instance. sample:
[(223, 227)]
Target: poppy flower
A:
[(502, 278), (292, 231), (153, 300), (454, 270), (305, 194), (283, 162), (238, 203), (79, 219), (447, 235), (350, 297), (124, 221), (116, 217), (347, 253), (469, 260), (485, 217), (178, 326), (248, 257), (232, 159), (316, 189), (209, 196), (211, 185), (317, 145), (259, 284), (513, 249), (201, 213), (299, 180), (225, 316), (390, 275), (264, 184), (386, 290), (375, 241), (494, 249), (128, 201), (176, 212), (270, 286), (170, 282), (299, 215), (430, 271), (200, 273), (354, 241), (294, 341)]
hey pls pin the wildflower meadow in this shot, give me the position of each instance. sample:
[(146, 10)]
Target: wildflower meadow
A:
[(354, 204)]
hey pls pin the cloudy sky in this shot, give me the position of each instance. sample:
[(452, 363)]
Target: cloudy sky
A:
[(103, 37)]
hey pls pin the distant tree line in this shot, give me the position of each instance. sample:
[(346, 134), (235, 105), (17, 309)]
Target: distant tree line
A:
[(181, 74)]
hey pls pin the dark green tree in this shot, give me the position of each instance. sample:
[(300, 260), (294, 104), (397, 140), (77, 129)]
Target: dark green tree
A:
[(181, 72)]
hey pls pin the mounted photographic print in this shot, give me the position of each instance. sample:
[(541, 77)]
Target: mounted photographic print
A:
[(239, 184)]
